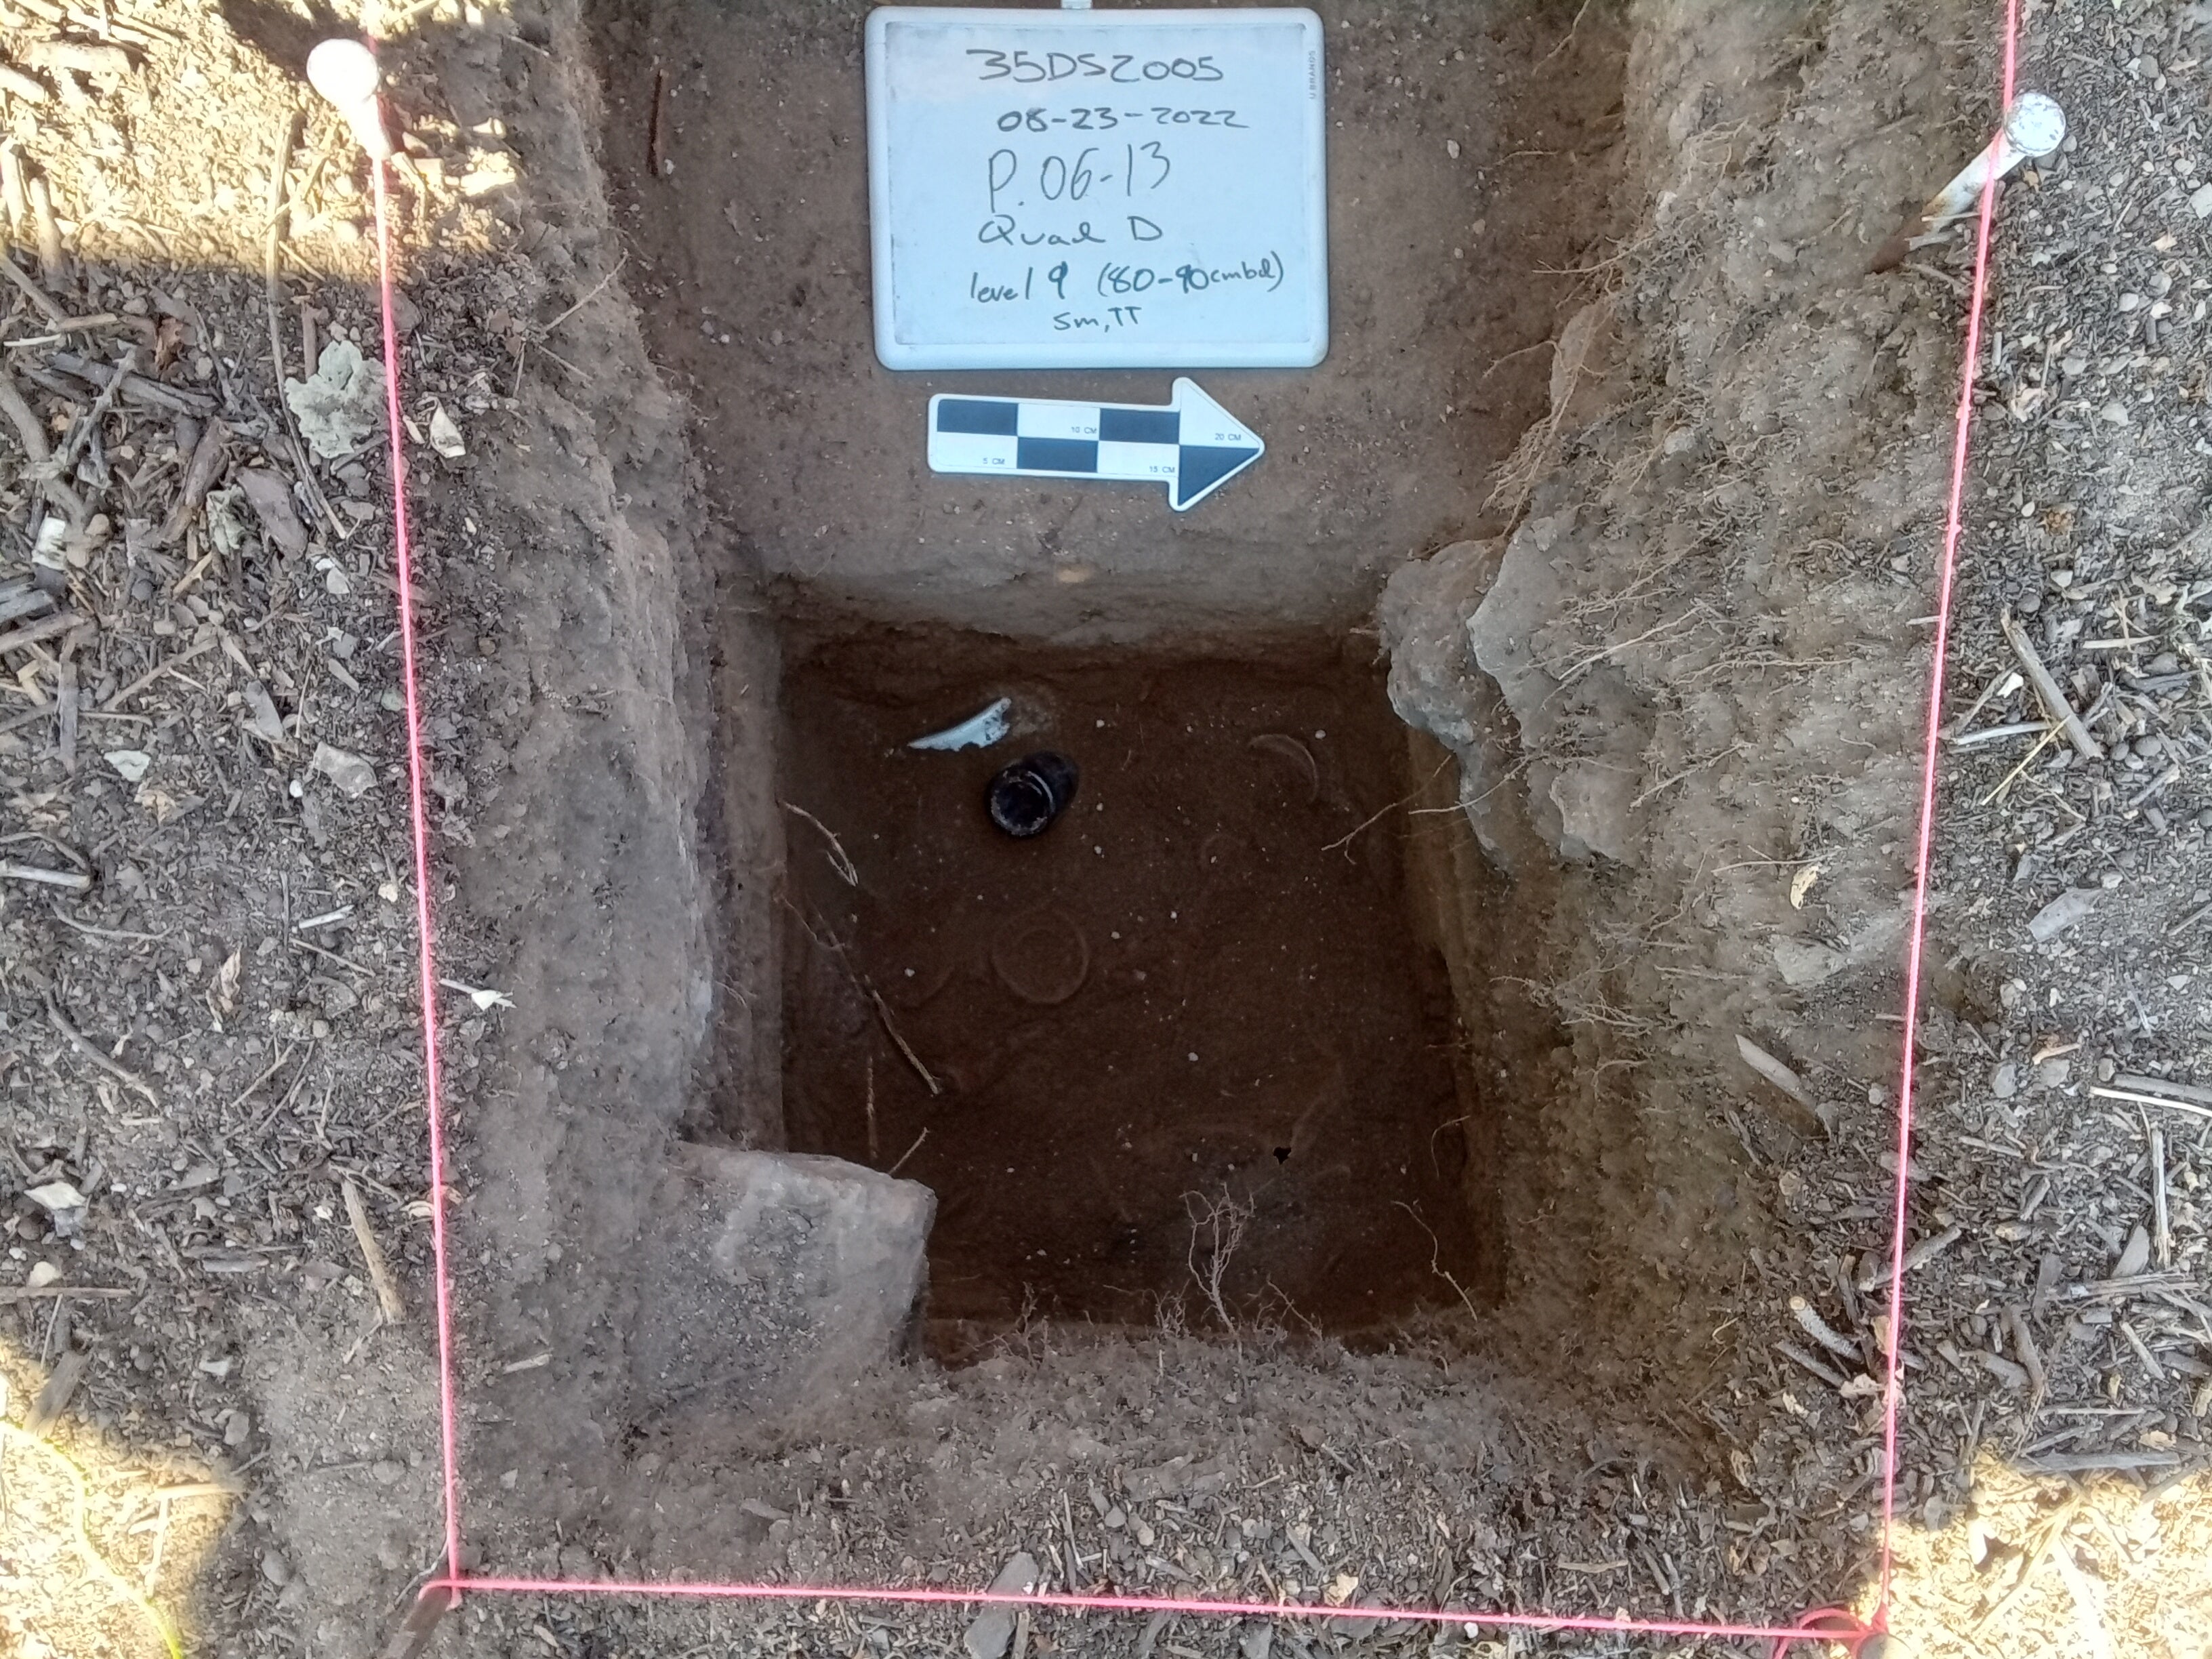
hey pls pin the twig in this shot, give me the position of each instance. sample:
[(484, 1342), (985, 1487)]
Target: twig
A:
[(9, 1293), (598, 288), (1225, 1219), (1345, 840), (53, 262), (2160, 1220), (2025, 761), (175, 660), (2046, 688), (250, 1089), (656, 120), (2031, 1357), (75, 881), (1981, 702), (14, 200), (379, 1274), (199, 478), (90, 1050), (28, 428), (860, 983), (1436, 1258), (68, 920), (36, 295), (273, 242), (2160, 1086), (1998, 733), (140, 389), (1569, 39), (910, 1151), (1797, 1356), (2138, 1097), (1821, 1331), (884, 1013), (53, 1399), (102, 403), (47, 628), (839, 860)]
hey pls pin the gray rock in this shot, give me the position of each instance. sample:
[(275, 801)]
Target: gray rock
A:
[(2004, 1082), (2062, 912), (339, 407), (1807, 962), (993, 1631), (2134, 1254), (780, 1279)]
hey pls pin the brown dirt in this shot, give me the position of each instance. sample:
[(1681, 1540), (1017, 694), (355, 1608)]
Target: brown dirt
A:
[(1199, 987), (1467, 181)]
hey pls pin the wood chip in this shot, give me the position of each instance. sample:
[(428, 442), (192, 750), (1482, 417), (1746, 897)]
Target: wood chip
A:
[(1773, 1071), (372, 1254), (199, 478), (53, 1399)]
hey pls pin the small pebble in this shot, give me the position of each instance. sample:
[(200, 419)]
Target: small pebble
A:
[(2004, 1082)]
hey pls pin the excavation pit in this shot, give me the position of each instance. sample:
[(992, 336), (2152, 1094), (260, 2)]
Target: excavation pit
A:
[(1211, 999), (1185, 1056)]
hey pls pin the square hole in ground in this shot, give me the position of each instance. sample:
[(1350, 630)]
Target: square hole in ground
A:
[(1185, 1055)]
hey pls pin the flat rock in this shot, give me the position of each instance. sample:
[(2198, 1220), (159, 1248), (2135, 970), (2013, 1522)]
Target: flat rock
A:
[(992, 1630), (1807, 962), (2062, 912), (779, 1280)]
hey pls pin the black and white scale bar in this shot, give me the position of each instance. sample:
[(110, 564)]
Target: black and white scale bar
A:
[(1194, 445)]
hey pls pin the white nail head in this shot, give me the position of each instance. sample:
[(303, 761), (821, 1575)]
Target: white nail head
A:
[(345, 73), (2035, 125)]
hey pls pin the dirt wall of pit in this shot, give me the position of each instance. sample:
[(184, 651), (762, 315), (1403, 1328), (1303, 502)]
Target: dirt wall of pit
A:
[(1685, 693)]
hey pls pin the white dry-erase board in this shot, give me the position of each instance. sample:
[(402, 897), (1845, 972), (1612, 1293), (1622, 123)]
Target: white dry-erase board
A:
[(1080, 190)]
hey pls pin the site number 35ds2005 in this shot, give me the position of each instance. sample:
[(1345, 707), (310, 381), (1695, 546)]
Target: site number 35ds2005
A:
[(1086, 190)]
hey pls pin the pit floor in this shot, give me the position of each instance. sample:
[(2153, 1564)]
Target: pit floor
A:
[(1202, 986)]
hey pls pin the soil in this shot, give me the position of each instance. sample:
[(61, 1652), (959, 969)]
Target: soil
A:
[(1471, 159), (1684, 736), (1197, 994)]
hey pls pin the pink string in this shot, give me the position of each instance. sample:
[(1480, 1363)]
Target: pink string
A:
[(426, 964), (1954, 519), (1829, 1625), (1782, 1635)]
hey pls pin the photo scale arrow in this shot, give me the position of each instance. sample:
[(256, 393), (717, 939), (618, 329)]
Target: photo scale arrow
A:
[(1193, 445)]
